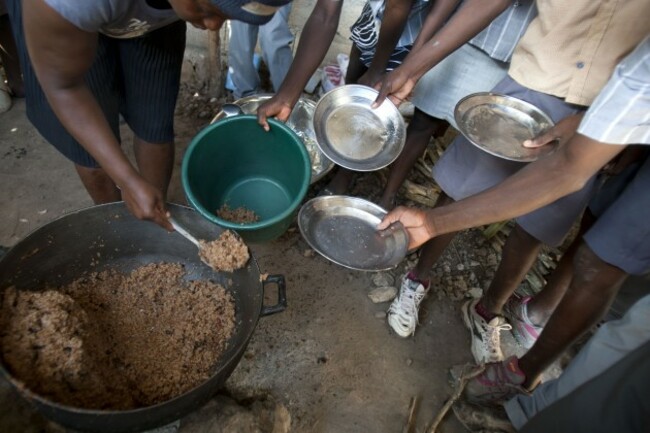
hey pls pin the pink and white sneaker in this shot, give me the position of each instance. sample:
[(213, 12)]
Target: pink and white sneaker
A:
[(524, 331)]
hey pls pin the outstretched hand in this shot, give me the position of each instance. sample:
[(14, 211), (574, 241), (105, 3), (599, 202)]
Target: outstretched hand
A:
[(274, 107), (562, 132), (397, 85), (414, 221), (146, 203)]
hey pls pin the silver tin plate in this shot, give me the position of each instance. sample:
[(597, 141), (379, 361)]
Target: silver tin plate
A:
[(344, 230), (354, 135), (499, 124)]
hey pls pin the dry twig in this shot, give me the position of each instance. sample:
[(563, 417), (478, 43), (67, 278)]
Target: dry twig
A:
[(410, 422), (458, 390)]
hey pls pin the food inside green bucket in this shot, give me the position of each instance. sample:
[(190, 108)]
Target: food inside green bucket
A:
[(235, 162)]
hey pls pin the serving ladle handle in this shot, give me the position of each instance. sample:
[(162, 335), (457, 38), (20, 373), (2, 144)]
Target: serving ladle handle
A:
[(181, 230)]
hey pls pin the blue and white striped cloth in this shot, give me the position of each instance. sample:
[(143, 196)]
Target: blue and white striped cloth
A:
[(621, 112), (500, 38), (365, 31)]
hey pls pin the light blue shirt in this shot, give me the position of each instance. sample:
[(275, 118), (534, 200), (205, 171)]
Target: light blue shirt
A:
[(621, 112), (500, 38)]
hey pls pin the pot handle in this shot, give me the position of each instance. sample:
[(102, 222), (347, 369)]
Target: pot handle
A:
[(282, 295)]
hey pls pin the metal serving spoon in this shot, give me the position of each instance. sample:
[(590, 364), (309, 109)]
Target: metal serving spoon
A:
[(200, 245), (183, 232)]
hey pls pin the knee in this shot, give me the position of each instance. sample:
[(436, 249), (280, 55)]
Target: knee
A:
[(593, 273), (522, 236), (422, 123)]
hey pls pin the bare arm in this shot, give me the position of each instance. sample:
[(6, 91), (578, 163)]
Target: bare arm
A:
[(392, 25), (61, 54), (315, 40), (534, 186), (470, 20), (440, 11)]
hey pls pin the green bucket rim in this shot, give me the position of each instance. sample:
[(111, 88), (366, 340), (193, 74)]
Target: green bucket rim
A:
[(246, 226)]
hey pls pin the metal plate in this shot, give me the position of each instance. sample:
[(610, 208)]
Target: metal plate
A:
[(300, 121), (499, 125), (344, 230), (355, 136)]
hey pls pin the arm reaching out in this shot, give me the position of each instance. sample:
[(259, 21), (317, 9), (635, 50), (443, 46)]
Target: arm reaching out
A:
[(440, 11), (472, 17), (415, 222), (534, 186), (315, 40), (392, 25)]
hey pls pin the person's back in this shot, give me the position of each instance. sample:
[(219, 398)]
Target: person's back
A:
[(116, 18)]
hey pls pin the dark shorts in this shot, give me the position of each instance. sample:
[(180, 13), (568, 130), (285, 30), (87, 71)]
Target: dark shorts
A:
[(137, 78), (465, 170), (621, 234)]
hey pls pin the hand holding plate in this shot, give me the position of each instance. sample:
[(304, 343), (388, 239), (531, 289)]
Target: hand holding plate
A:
[(560, 133), (413, 220), (396, 86)]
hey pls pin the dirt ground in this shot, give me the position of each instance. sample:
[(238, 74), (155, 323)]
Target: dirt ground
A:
[(329, 362), (329, 359)]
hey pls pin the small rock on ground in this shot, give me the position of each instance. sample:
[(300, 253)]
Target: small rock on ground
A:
[(383, 279), (382, 294)]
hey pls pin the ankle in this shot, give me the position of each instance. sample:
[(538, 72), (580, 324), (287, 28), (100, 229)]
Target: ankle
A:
[(512, 364), (482, 311), (414, 277), (526, 367)]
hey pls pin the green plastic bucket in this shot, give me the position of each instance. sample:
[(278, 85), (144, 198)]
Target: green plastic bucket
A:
[(235, 162)]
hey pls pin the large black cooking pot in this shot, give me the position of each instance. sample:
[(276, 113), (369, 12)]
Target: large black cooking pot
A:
[(108, 236)]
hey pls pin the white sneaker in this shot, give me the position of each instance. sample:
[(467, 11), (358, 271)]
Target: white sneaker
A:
[(486, 340), (403, 312)]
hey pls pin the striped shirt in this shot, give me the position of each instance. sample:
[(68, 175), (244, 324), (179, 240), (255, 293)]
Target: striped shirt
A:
[(500, 38), (621, 112), (365, 31)]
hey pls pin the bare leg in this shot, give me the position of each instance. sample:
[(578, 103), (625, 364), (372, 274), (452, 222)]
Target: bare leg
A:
[(433, 249), (519, 254), (155, 162), (99, 185), (417, 137), (594, 285), (541, 306), (341, 181), (343, 177)]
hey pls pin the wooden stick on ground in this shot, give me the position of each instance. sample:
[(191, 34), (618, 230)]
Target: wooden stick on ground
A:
[(410, 423), (458, 390)]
